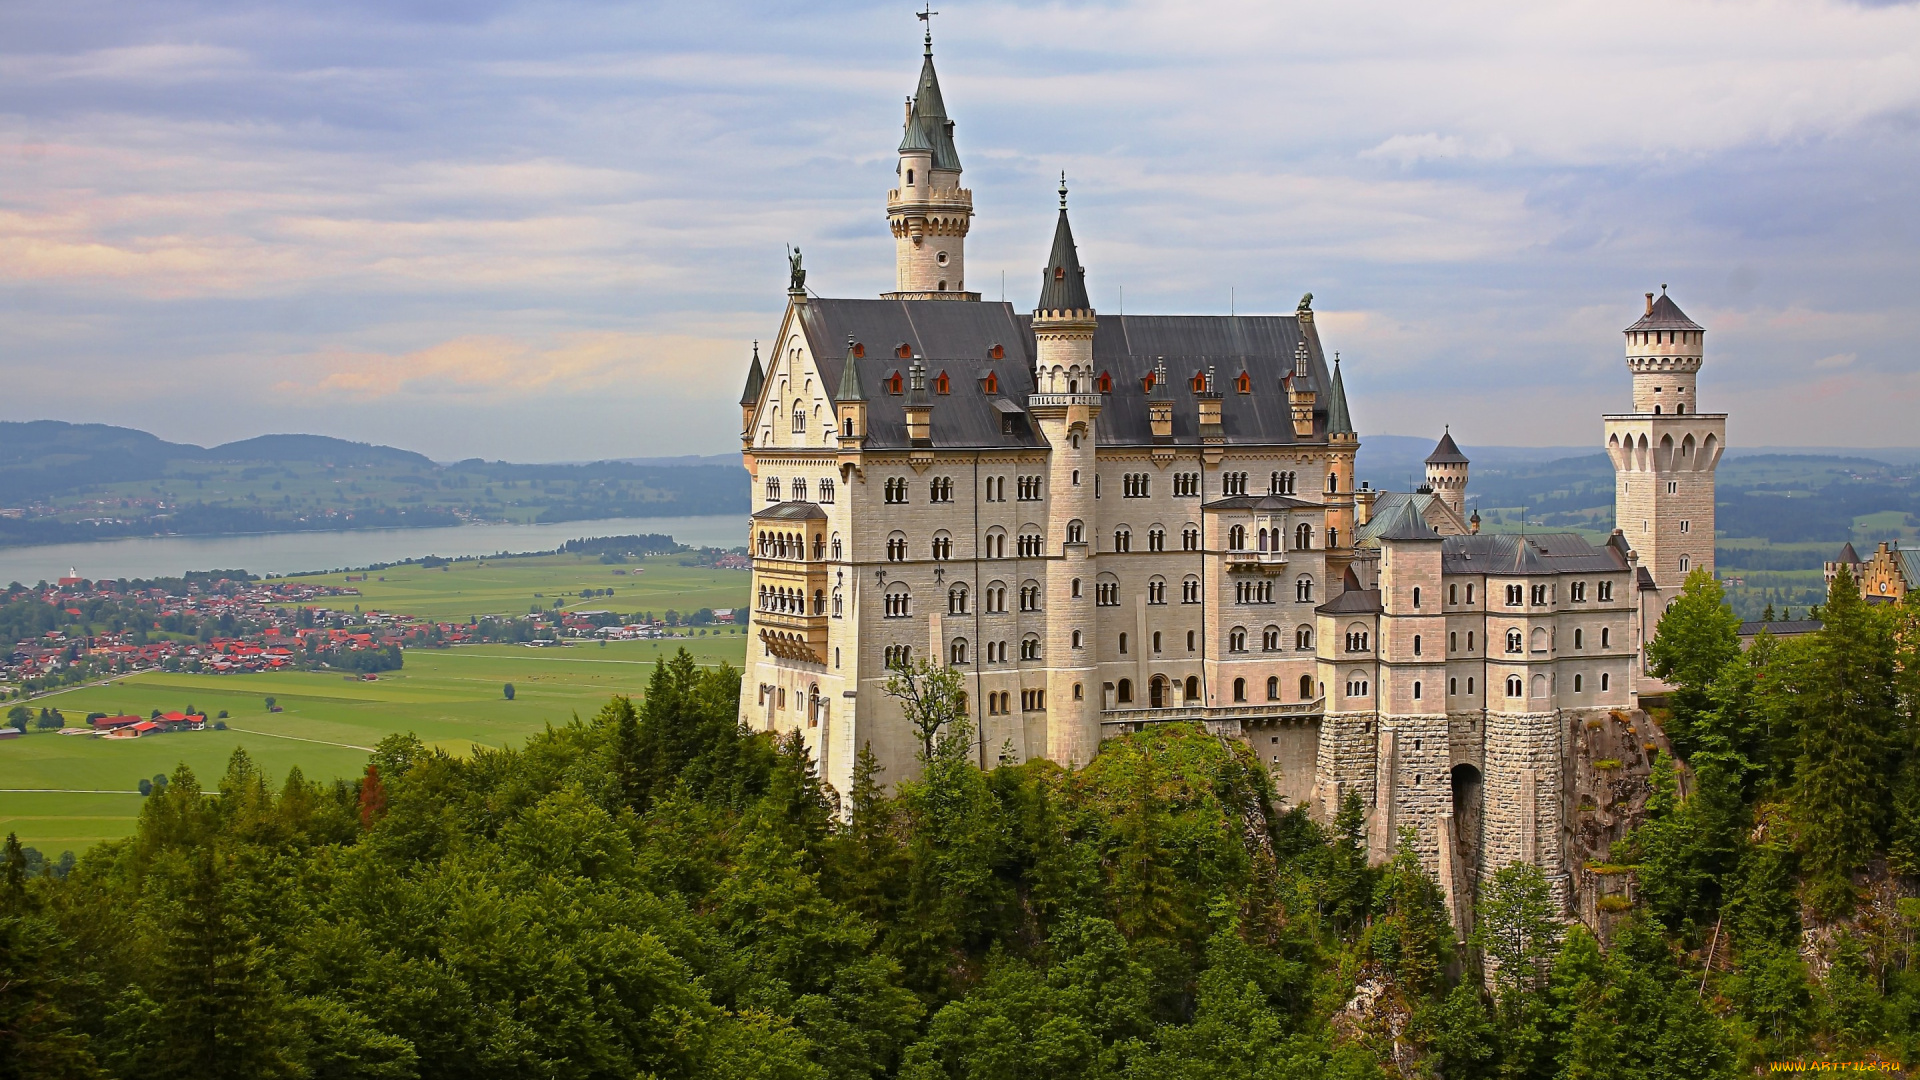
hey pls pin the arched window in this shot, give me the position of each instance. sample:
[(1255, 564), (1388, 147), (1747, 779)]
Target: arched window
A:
[(1237, 538), (897, 602), (1030, 647), (1539, 686), (1157, 692), (1270, 639), (957, 652), (1579, 684), (942, 546), (1263, 539), (1076, 639), (799, 416), (1303, 589), (799, 488), (1306, 688), (773, 489), (1273, 688), (1239, 689), (897, 547), (1416, 596), (1076, 532), (1123, 693), (1513, 686), (1156, 590), (1303, 538), (1333, 483), (1190, 538), (1604, 680), (1416, 644), (1123, 539), (1123, 644), (1514, 644), (1193, 688), (957, 600), (1303, 637), (1686, 564), (1237, 639), (836, 547)]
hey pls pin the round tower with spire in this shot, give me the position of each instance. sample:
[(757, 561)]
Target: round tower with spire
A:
[(929, 212), (1447, 474)]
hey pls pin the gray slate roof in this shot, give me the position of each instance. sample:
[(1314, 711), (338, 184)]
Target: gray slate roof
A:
[(1446, 453), (1781, 627), (955, 336), (1403, 522), (1259, 502), (1542, 554), (928, 128), (791, 510), (1847, 554), (756, 378), (1353, 602), (1063, 282), (1666, 315), (1339, 422)]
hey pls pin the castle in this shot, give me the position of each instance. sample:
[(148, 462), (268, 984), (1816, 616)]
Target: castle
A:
[(1106, 522)]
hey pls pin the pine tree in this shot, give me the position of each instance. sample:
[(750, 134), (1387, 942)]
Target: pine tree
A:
[(1846, 713), (1517, 928), (1697, 637)]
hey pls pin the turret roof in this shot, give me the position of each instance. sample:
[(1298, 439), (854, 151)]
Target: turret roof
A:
[(1063, 284), (1338, 422), (1445, 453), (850, 388), (927, 125), (756, 378), (1847, 554), (1664, 315)]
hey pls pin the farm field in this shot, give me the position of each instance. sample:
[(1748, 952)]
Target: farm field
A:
[(450, 698), (510, 586)]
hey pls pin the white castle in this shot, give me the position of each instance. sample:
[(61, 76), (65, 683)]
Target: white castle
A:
[(1111, 521)]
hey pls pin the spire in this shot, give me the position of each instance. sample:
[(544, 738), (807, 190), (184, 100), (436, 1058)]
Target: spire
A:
[(850, 388), (1063, 285), (1338, 422), (756, 378), (927, 125), (1446, 453)]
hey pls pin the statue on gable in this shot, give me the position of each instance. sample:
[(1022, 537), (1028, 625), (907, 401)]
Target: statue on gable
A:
[(796, 274)]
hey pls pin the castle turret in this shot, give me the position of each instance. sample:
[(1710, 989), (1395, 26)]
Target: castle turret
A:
[(1066, 404), (1343, 445), (929, 211), (1447, 474), (850, 401), (750, 397)]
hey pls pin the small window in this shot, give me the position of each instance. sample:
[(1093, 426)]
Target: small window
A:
[(1239, 689), (1416, 601)]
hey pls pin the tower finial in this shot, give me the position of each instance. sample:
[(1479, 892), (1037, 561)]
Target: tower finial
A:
[(926, 16), (1063, 189)]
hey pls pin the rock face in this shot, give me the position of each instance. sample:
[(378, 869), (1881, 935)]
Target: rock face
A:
[(1609, 782)]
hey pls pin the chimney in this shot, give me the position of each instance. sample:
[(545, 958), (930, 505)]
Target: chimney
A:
[(1649, 303), (1300, 395), (919, 407), (1160, 405)]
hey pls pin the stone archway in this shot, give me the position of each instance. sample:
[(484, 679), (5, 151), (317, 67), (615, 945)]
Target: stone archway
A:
[(1468, 816)]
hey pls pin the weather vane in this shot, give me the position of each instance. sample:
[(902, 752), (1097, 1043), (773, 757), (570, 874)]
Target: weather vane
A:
[(926, 16)]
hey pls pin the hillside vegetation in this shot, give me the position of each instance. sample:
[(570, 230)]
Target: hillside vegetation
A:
[(658, 892)]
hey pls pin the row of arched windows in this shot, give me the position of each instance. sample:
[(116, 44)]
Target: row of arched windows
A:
[(788, 545), (798, 486)]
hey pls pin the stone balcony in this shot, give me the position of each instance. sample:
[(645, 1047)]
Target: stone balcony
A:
[(1265, 562), (1220, 719)]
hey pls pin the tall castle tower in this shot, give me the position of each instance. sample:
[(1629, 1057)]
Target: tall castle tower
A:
[(1447, 474), (1664, 453), (929, 212)]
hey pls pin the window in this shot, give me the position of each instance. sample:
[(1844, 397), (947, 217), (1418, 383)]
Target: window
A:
[(1237, 538), (995, 599), (896, 604), (1303, 589), (1076, 639), (826, 491), (1356, 686), (1106, 593), (1604, 680), (1606, 638), (1273, 688), (1686, 564), (1453, 641), (1031, 545), (1156, 641), (1469, 595), (897, 547), (1030, 648), (1469, 641), (1579, 638), (1453, 594), (1186, 484), (1239, 689), (1190, 590), (1282, 483), (799, 489), (1076, 533), (1577, 592), (942, 547), (1515, 643), (1136, 486), (1416, 697), (1193, 688), (1416, 644), (957, 600), (1233, 483), (1190, 538), (1157, 591), (1303, 638), (1540, 596), (1027, 489), (957, 652), (1253, 592), (1516, 595), (1033, 700), (837, 605), (996, 544), (1416, 596), (1606, 591), (1357, 639), (1673, 487), (1303, 538), (1306, 688), (1237, 639), (1513, 686), (896, 489), (1469, 686), (1123, 693), (1076, 588), (996, 485), (1030, 597), (773, 489), (1453, 687), (940, 490), (1156, 539), (799, 417), (1270, 639), (1579, 684), (899, 656), (1122, 539)]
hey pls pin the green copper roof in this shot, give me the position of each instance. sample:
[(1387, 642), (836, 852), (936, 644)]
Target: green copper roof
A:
[(1407, 523), (1338, 422), (850, 388), (755, 380), (927, 125), (1063, 284)]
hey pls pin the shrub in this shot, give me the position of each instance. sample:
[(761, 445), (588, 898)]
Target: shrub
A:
[(1615, 903), (1607, 764)]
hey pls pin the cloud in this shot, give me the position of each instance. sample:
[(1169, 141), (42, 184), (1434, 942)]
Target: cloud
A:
[(1412, 149), (499, 368)]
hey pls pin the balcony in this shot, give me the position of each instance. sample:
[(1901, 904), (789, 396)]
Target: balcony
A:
[(1265, 562), (1220, 720), (792, 636)]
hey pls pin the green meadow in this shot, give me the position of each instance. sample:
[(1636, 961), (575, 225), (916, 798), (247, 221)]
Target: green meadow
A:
[(512, 586), (451, 698)]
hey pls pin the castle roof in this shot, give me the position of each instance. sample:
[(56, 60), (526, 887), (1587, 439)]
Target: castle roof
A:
[(791, 510), (1338, 421), (1664, 315), (1259, 502), (850, 388), (957, 337), (1063, 283), (1404, 522), (1446, 453), (1847, 554), (756, 378), (1512, 555), (1353, 601), (927, 126)]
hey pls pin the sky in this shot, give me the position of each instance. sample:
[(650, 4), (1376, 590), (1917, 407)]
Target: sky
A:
[(552, 231)]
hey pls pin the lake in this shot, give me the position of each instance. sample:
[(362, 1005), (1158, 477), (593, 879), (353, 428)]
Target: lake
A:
[(285, 553)]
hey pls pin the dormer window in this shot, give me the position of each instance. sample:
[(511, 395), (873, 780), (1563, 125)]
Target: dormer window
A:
[(1199, 382), (1146, 384), (991, 384), (997, 352), (1059, 273), (1106, 382), (895, 384), (860, 350), (940, 384), (903, 351), (1244, 383)]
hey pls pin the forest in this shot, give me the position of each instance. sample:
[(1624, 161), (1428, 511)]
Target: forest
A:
[(655, 891)]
